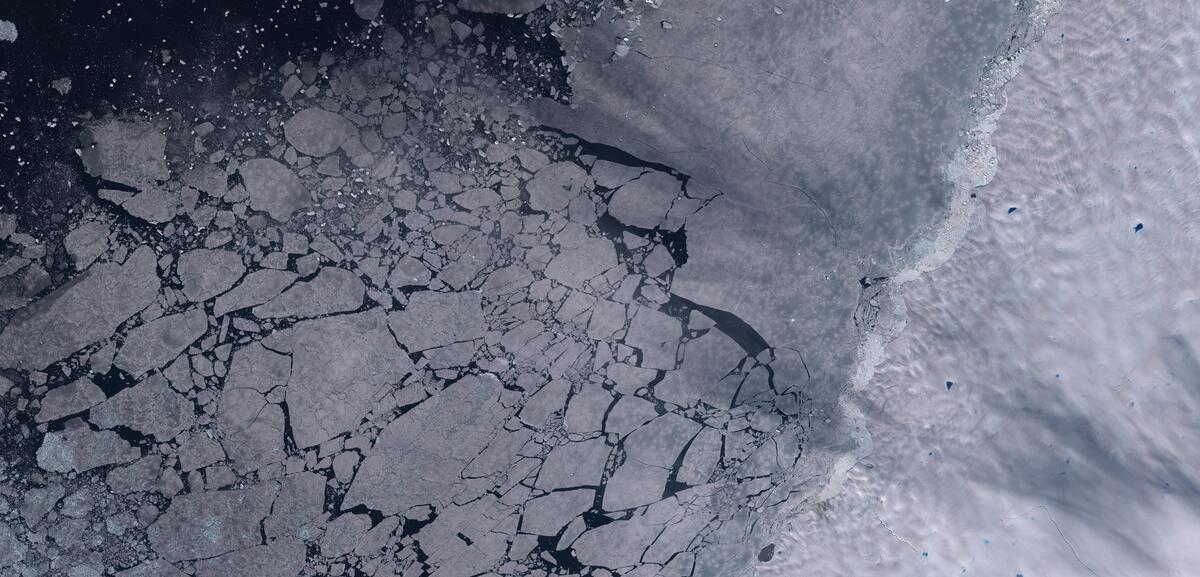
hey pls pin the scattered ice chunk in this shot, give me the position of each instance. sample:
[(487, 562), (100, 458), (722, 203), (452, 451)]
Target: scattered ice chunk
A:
[(129, 153), (207, 273), (576, 266), (501, 6), (607, 319), (298, 507), (251, 429), (477, 198), (139, 475), (707, 361), (153, 205), (368, 9), (507, 279), (318, 132), (650, 453), (576, 464), (273, 188), (645, 201), (550, 398), (79, 395), (280, 558), (157, 342), (207, 178), (291, 87), (343, 466), (553, 187), (87, 242), (547, 514), (634, 484), (629, 378), (37, 502), (622, 543), (198, 450), (407, 272), (612, 175), (8, 31), (393, 125), (61, 85), (155, 568), (333, 290), (12, 551), (657, 335), (658, 261), (455, 355), (342, 533), (80, 449), (151, 407), (629, 413), (585, 413), (258, 287), (701, 458), (440, 26), (377, 538)]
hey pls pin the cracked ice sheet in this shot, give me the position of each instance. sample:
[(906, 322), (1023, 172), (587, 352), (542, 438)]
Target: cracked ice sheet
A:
[(81, 312), (807, 116), (297, 378), (443, 434), (207, 524), (341, 366), (434, 319)]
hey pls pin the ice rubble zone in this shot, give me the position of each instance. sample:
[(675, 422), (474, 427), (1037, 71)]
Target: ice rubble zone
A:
[(366, 340)]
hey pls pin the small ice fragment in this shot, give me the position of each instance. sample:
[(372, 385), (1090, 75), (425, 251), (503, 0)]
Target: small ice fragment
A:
[(8, 31), (778, 9), (62, 85)]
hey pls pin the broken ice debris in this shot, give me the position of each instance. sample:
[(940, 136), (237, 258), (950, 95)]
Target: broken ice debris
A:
[(81, 312), (501, 6)]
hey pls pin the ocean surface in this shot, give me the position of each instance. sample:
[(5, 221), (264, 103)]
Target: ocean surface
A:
[(1037, 416)]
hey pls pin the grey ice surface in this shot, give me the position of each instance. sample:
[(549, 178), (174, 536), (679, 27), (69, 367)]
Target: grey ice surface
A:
[(383, 311), (1068, 329)]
